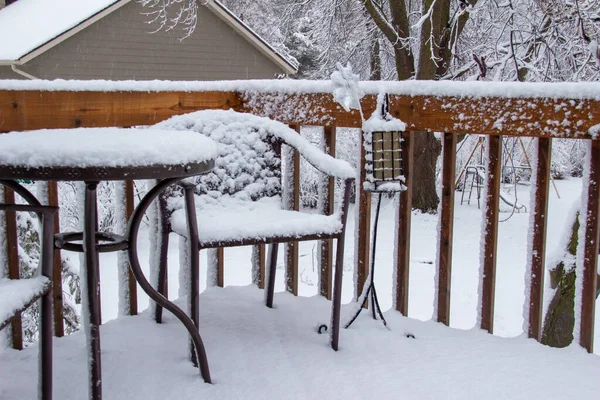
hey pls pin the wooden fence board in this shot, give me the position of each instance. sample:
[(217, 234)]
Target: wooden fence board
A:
[(490, 233), (364, 227), (590, 256), (446, 226), (34, 109), (27, 110), (220, 267), (57, 290), (328, 195), (538, 247), (293, 247), (404, 224), (129, 207), (12, 253)]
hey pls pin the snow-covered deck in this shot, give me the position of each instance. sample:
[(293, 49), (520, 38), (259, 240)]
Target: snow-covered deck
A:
[(256, 352)]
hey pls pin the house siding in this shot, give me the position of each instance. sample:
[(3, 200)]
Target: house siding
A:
[(7, 73), (121, 46)]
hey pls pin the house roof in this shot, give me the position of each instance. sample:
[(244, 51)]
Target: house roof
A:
[(28, 28)]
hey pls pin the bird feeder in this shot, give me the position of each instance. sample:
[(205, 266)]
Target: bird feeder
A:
[(383, 155)]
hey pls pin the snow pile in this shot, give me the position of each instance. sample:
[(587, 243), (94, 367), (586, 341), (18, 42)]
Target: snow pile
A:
[(103, 147), (17, 293), (17, 35), (346, 89), (230, 219)]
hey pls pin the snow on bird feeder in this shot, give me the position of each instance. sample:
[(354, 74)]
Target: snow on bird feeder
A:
[(382, 136)]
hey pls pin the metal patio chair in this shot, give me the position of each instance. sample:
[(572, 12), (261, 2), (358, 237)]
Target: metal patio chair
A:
[(239, 203)]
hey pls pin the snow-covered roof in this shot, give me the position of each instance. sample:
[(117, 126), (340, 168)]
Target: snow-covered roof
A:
[(30, 27), (29, 24)]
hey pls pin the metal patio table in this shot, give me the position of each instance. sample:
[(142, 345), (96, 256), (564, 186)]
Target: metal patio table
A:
[(91, 242)]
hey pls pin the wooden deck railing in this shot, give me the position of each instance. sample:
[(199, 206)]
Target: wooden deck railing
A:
[(453, 114)]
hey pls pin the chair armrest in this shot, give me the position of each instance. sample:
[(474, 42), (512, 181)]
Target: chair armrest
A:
[(315, 156)]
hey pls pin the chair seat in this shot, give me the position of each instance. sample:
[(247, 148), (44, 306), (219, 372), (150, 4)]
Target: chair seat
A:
[(18, 294), (231, 221)]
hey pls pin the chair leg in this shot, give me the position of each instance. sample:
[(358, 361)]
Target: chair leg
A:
[(337, 294), (271, 274)]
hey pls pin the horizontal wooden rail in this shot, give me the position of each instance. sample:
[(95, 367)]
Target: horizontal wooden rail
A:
[(539, 117)]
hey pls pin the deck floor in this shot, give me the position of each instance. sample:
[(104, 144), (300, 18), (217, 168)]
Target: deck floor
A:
[(255, 352)]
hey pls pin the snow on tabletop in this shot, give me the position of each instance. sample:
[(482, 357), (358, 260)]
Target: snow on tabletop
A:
[(555, 90), (50, 19), (231, 219), (103, 147), (220, 124), (15, 294)]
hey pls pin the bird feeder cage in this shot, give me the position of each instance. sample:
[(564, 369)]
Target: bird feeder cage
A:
[(383, 156)]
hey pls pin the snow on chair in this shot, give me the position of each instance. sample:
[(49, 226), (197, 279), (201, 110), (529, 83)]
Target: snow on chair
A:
[(16, 295), (239, 202)]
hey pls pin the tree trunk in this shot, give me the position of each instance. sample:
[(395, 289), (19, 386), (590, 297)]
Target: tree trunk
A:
[(560, 317), (375, 60), (426, 152), (435, 52), (427, 147)]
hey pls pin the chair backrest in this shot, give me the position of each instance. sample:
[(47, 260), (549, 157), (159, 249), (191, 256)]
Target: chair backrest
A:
[(249, 163)]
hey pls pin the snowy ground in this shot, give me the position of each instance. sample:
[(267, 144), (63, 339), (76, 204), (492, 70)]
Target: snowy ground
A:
[(260, 353)]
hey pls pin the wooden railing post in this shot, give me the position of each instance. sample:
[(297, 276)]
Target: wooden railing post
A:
[(403, 233), (293, 203), (220, 267), (535, 272), (590, 253), (490, 232), (124, 196), (12, 253), (327, 207), (129, 207), (259, 259), (57, 291), (363, 221), (444, 267)]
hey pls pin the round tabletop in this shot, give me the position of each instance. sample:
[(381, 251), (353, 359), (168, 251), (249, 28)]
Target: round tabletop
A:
[(95, 154)]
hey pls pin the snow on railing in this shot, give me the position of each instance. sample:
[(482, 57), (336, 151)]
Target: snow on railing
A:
[(544, 111)]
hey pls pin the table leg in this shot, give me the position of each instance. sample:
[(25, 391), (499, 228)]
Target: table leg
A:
[(92, 288)]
